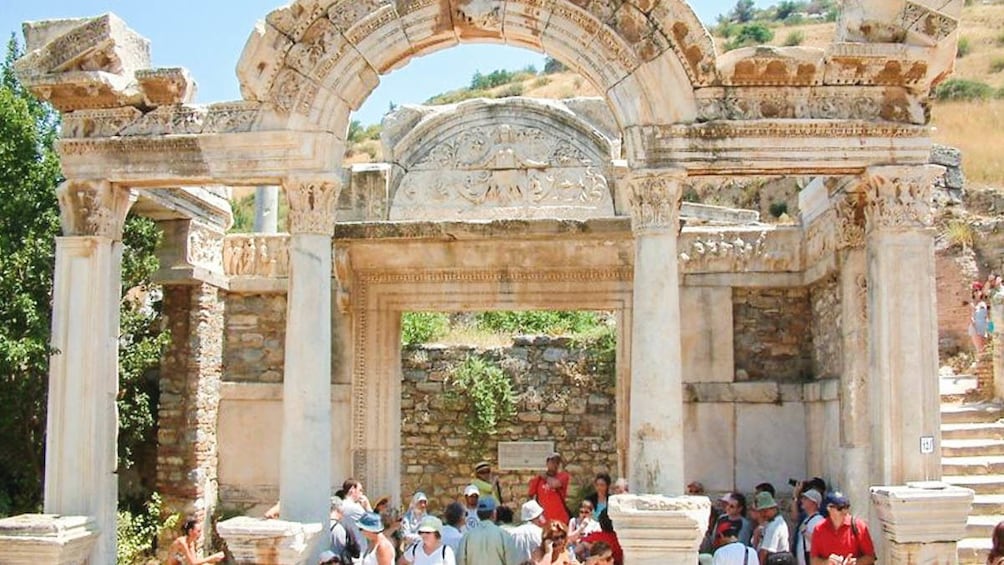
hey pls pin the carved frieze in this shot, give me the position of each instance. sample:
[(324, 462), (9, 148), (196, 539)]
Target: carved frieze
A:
[(162, 87), (341, 263), (689, 39), (264, 256), (93, 208), (892, 104), (97, 123), (820, 237), (899, 197), (479, 14), (312, 204), (926, 21), (655, 200), (871, 65), (167, 120), (205, 247), (849, 218)]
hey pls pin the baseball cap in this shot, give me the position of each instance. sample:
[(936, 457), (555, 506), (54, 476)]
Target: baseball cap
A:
[(470, 490), (813, 495), (430, 524), (487, 503), (838, 499)]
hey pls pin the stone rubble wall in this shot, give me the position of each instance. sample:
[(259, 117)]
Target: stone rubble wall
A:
[(827, 341), (560, 397), (255, 335), (773, 334)]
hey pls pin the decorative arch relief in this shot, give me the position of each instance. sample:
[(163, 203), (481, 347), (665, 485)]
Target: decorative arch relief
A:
[(487, 160)]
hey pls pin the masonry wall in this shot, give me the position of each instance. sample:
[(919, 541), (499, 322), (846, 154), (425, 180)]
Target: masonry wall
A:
[(827, 325), (254, 337), (772, 334), (563, 393)]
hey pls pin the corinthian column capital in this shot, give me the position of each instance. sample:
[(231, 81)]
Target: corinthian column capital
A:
[(655, 199), (93, 208), (849, 213), (312, 204), (899, 197)]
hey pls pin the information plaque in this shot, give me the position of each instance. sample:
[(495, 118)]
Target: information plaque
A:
[(524, 455)]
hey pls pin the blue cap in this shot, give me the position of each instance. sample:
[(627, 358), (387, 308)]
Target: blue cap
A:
[(371, 522), (838, 499), (487, 503)]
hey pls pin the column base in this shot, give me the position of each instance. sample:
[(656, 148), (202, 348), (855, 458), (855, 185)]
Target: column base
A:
[(922, 522), (47, 538), (254, 541), (659, 530)]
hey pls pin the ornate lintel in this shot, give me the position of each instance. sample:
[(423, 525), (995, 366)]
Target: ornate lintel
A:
[(655, 199), (93, 208), (312, 204), (899, 197)]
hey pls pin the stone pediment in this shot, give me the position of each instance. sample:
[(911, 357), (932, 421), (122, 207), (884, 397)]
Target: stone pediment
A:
[(491, 159)]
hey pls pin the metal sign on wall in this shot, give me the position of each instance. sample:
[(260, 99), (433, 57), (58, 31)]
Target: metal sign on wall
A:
[(522, 455)]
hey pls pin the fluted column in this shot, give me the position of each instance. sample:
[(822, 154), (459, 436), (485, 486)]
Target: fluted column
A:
[(655, 430), (902, 322), (82, 426), (305, 459)]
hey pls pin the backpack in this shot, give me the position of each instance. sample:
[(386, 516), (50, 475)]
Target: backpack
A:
[(351, 550), (414, 549)]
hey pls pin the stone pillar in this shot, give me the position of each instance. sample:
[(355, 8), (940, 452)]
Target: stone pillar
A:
[(30, 539), (855, 427), (255, 541), (997, 343), (655, 430), (902, 321), (266, 209), (305, 458), (922, 522), (82, 429), (657, 530)]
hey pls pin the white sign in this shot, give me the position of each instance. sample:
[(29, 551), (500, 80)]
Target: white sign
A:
[(927, 444), (524, 455)]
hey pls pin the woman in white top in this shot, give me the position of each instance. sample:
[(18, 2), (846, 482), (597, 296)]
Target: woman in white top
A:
[(431, 550), (413, 518), (380, 550)]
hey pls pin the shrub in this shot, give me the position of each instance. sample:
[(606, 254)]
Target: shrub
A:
[(962, 89), (541, 82), (960, 233), (487, 392), (423, 327), (965, 47), (1000, 40), (751, 34), (794, 38), (515, 89), (538, 322), (997, 65), (777, 209), (136, 533), (552, 65)]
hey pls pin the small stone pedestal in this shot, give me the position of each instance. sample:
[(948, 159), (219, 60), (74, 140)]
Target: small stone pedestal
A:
[(47, 538), (254, 541), (659, 530), (922, 522)]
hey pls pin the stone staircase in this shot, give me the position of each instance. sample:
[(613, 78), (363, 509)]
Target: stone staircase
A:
[(972, 449)]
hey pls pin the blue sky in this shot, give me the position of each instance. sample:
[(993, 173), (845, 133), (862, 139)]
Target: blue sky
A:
[(207, 37)]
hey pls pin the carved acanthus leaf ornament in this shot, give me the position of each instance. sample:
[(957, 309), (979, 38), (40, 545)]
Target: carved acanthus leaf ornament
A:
[(899, 197), (93, 208), (312, 205), (655, 200)]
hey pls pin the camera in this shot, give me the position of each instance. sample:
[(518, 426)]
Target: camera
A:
[(793, 482)]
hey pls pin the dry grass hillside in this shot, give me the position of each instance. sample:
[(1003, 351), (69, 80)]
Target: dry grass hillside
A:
[(977, 127)]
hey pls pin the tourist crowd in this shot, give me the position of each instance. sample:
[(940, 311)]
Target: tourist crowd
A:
[(981, 325)]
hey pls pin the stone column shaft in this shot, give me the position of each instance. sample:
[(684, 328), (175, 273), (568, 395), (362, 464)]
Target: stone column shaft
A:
[(266, 209), (305, 458), (903, 338), (655, 436), (81, 444)]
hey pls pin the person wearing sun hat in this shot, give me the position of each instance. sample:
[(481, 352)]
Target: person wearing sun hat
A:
[(381, 550), (471, 497), (417, 511), (431, 550), (529, 535), (487, 483), (774, 546)]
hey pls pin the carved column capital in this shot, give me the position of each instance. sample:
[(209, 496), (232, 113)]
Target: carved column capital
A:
[(312, 204), (655, 199), (93, 208), (849, 216), (899, 197)]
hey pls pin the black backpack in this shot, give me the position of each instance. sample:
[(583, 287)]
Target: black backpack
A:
[(351, 550)]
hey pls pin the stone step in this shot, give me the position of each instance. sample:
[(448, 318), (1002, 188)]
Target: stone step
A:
[(957, 384), (988, 505), (979, 430), (971, 447), (982, 526), (984, 465), (973, 551), (970, 413), (981, 484)]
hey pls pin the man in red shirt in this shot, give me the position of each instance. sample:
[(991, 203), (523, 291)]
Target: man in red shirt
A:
[(841, 539), (551, 489)]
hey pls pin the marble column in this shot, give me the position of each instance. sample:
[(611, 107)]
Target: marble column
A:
[(305, 458), (82, 427), (658, 530), (266, 209), (854, 425), (655, 430), (902, 321)]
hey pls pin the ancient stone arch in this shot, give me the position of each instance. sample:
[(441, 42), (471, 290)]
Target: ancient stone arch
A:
[(851, 117)]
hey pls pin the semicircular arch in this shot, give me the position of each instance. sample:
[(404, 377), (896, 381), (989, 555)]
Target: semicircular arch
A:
[(315, 61)]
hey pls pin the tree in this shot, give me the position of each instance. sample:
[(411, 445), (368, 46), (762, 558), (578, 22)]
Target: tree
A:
[(744, 11), (750, 34), (29, 175)]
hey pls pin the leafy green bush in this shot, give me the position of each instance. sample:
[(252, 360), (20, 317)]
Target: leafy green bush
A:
[(488, 393), (552, 65), (538, 322), (997, 65), (964, 48), (1000, 40), (135, 533), (423, 327), (777, 209), (963, 89), (794, 38), (750, 34)]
